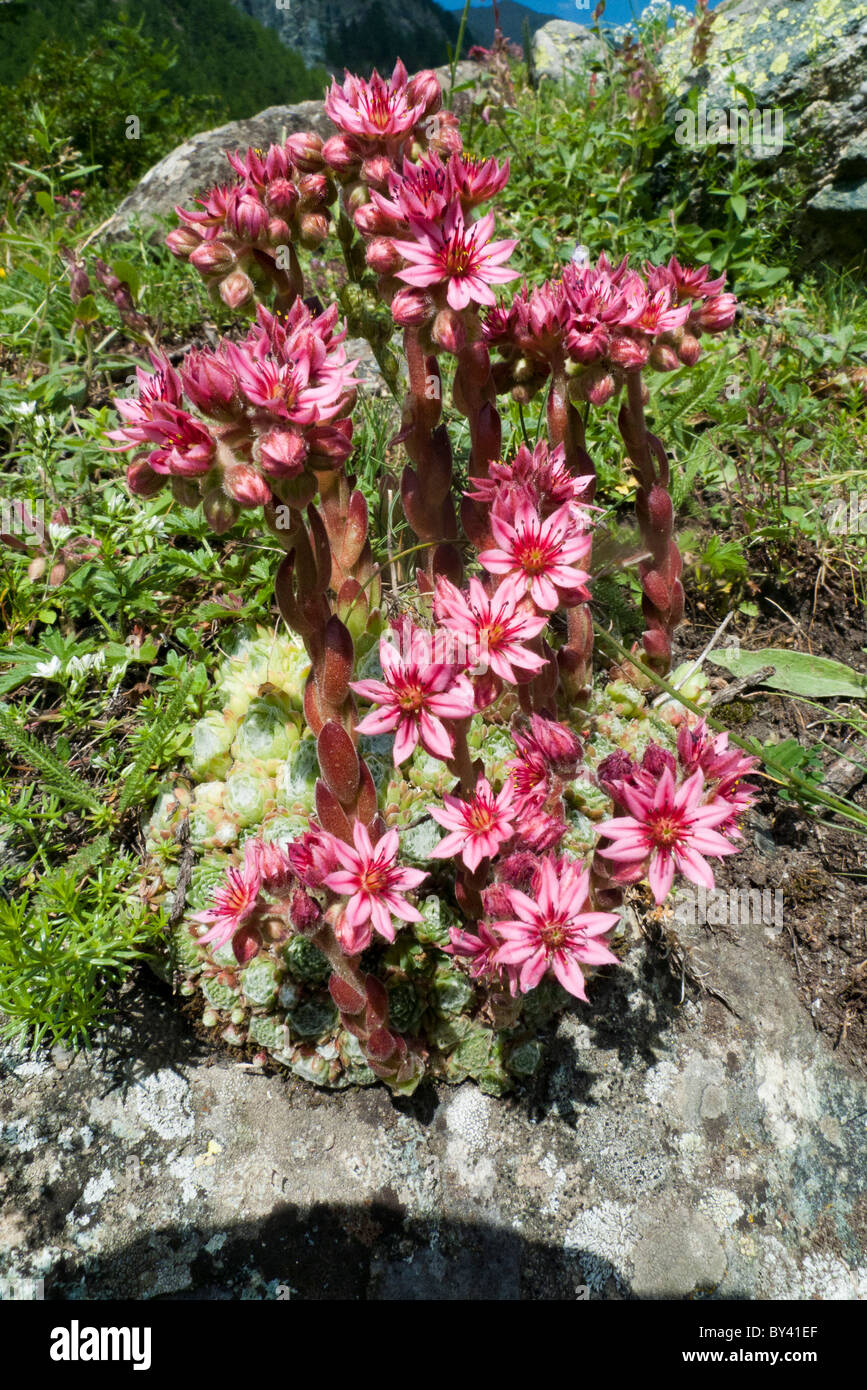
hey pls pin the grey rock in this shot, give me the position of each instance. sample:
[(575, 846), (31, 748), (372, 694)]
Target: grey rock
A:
[(681, 1252), (807, 60), (663, 1150), (562, 50), (200, 162)]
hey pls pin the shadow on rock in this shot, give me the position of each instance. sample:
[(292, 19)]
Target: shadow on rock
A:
[(335, 1252)]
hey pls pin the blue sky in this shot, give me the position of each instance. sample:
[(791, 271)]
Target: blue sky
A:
[(616, 11)]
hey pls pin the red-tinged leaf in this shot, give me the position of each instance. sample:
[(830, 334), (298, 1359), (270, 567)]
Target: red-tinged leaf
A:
[(488, 440), (332, 816), (476, 522), (435, 470), (321, 550), (377, 1002), (311, 706), (447, 561), (334, 671), (348, 999), (660, 510), (656, 589), (366, 804), (417, 513), (284, 592), (246, 943), (381, 1045), (384, 1070), (352, 607), (338, 762), (354, 532)]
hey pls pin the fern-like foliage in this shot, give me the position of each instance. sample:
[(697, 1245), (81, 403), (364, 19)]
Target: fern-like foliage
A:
[(56, 775), (699, 395), (150, 750)]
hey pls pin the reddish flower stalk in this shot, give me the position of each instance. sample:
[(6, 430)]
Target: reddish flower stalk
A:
[(663, 598), (426, 484)]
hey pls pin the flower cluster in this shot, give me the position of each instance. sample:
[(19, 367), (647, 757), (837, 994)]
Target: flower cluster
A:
[(503, 657), (680, 809), (412, 195), (290, 890), (381, 120), (242, 235), (276, 406), (605, 321)]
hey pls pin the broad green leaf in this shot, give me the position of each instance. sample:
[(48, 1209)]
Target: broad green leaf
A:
[(738, 205), (797, 673), (128, 273)]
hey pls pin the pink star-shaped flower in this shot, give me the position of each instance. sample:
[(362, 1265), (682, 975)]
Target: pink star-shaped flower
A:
[(415, 696), (555, 933), (493, 628), (458, 255), (540, 557), (670, 830), (479, 826), (375, 884)]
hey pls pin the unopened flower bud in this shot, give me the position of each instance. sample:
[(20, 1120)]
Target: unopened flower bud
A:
[(278, 231), (57, 574), (221, 512), (282, 453), (425, 88), (304, 912), (315, 191), (410, 308), (185, 492), (36, 568), (664, 358), (236, 289), (341, 154), (383, 256), (448, 331), (372, 221), (246, 485), (305, 149), (250, 217), (313, 229), (281, 196), (142, 480), (212, 257), (689, 350), (182, 241), (716, 314), (355, 195), (209, 382), (375, 172), (628, 353)]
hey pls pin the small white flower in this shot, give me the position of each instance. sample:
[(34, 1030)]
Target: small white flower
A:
[(48, 669)]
